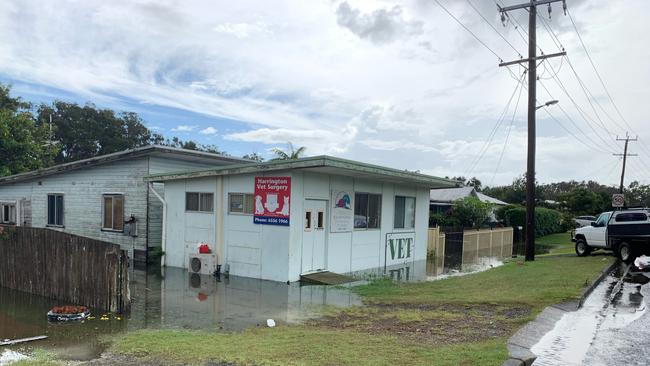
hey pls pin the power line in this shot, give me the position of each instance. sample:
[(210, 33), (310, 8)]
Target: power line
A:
[(505, 143), (468, 30), (487, 143), (580, 111), (493, 28), (596, 71), (571, 133)]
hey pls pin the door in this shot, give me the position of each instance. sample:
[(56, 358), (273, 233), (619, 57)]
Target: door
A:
[(313, 236), (595, 235)]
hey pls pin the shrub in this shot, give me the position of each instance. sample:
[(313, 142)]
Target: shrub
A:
[(547, 221)]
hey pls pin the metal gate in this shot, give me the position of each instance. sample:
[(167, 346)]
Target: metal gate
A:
[(453, 249)]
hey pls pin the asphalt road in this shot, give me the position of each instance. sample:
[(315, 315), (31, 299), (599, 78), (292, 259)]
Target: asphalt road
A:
[(612, 328)]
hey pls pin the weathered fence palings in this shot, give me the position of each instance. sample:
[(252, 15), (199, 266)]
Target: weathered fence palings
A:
[(496, 243), (65, 267)]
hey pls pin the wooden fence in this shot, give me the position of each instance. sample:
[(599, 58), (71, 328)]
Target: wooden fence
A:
[(486, 243), (65, 267)]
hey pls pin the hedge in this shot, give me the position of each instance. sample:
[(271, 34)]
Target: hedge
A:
[(547, 221)]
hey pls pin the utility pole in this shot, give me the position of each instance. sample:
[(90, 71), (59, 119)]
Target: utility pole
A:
[(532, 59), (627, 139)]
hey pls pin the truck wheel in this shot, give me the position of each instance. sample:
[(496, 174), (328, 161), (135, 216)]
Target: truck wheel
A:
[(625, 252), (582, 249)]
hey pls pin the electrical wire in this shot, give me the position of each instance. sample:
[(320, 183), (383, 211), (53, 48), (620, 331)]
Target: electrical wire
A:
[(469, 30), (505, 143), (496, 126), (493, 28), (592, 147)]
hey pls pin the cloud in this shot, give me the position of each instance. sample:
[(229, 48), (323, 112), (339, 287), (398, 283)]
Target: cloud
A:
[(380, 26), (208, 131), (184, 128), (317, 141)]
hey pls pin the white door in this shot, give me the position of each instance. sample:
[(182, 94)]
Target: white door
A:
[(595, 235), (313, 236)]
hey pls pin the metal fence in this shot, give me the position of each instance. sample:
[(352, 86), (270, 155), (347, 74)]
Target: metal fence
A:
[(70, 268)]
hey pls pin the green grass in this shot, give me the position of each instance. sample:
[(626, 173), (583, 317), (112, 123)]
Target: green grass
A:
[(39, 358), (559, 243), (546, 281), (299, 345), (531, 285)]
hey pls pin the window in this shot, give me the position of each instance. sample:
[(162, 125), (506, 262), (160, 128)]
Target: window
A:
[(7, 213), (113, 212), (199, 202), (240, 203), (632, 216), (321, 220), (404, 212), (55, 210), (603, 219), (367, 210), (307, 220)]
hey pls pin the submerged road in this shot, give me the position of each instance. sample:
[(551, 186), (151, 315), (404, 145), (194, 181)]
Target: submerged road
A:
[(612, 328)]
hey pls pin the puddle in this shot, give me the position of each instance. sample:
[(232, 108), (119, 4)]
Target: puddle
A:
[(612, 306), (171, 298), (426, 270)]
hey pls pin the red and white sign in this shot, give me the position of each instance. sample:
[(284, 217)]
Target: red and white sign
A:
[(272, 195)]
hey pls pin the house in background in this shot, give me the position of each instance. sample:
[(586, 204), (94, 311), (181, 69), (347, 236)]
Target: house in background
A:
[(442, 200), (104, 197), (282, 219)]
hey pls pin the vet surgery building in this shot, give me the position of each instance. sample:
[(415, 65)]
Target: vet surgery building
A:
[(279, 220)]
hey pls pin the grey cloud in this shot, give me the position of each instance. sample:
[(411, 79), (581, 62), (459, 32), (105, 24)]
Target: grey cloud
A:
[(380, 26)]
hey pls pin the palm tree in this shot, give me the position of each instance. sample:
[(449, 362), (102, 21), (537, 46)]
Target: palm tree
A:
[(291, 154)]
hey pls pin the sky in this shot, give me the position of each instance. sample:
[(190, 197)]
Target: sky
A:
[(394, 83)]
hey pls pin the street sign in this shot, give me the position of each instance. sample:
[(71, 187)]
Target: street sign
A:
[(618, 200)]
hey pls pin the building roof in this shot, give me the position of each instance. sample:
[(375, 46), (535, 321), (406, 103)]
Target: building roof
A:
[(449, 195), (152, 150), (318, 164)]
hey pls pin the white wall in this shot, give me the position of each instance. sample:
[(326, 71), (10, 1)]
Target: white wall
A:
[(275, 252)]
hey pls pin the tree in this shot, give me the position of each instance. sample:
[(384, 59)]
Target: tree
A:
[(23, 142), (86, 131), (291, 154), (254, 157), (581, 201), (471, 211)]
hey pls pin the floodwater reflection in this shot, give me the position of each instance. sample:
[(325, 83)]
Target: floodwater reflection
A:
[(169, 298)]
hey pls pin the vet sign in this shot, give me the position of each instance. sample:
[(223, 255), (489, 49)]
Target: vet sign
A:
[(618, 200), (400, 248), (342, 212), (272, 195)]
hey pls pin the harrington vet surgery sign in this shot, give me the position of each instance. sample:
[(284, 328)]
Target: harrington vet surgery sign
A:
[(272, 200)]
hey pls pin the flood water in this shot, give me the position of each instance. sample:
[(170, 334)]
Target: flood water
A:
[(173, 298), (593, 334)]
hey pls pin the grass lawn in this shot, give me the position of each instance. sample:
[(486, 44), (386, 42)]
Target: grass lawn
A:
[(557, 243), (457, 321)]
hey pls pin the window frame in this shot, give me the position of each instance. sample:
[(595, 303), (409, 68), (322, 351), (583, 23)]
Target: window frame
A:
[(404, 227), (368, 195), (112, 195), (47, 212), (244, 200), (211, 211), (8, 204)]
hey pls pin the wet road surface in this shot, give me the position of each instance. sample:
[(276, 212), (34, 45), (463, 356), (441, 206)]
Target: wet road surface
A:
[(612, 328)]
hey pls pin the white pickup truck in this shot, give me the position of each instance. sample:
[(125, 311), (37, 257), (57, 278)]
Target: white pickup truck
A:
[(625, 232)]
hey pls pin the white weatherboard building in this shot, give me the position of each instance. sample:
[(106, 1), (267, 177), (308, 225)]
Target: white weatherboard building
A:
[(281, 219), (95, 197)]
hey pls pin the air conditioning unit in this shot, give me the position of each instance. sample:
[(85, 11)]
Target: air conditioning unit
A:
[(202, 263)]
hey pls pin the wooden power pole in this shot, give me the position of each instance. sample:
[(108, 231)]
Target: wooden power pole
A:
[(532, 59), (627, 139)]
